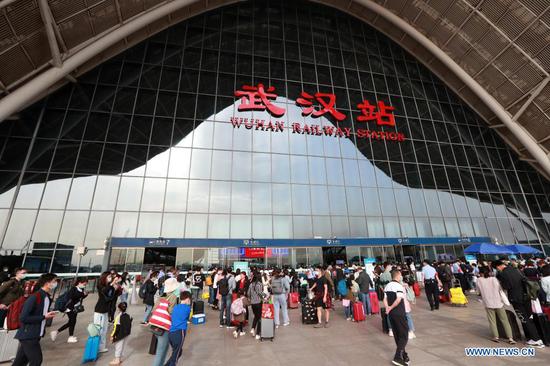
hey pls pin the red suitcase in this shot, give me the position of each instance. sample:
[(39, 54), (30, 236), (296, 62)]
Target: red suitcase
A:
[(293, 300), (443, 298), (416, 289), (546, 310), (358, 311), (374, 303)]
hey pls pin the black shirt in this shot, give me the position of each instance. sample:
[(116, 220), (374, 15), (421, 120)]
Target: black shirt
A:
[(394, 290), (320, 288), (198, 280)]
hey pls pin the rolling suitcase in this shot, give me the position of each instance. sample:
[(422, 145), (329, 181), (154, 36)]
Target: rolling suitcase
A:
[(91, 350), (385, 327), (358, 311), (516, 333), (374, 303), (8, 345), (198, 307), (457, 297), (293, 300), (309, 313), (267, 329)]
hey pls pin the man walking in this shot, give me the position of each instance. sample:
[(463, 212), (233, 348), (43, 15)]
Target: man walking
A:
[(322, 297), (431, 285), (394, 302), (365, 284), (512, 280)]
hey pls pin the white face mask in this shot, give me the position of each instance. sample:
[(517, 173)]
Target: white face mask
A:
[(53, 286)]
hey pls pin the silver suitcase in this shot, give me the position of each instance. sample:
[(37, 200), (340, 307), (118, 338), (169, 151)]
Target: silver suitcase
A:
[(8, 345), (268, 329)]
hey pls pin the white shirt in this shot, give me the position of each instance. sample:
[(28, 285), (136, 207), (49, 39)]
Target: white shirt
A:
[(46, 308), (429, 272)]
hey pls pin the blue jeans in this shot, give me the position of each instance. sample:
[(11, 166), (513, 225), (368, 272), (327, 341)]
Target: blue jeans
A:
[(176, 341), (147, 315), (212, 293), (348, 311), (162, 349), (225, 306), (280, 301), (410, 322), (365, 299)]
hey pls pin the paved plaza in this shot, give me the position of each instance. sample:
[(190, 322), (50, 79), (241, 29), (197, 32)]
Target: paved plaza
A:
[(442, 337)]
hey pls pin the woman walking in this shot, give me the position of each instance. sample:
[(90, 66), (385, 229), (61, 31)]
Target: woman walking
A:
[(490, 290), (75, 296), (256, 294)]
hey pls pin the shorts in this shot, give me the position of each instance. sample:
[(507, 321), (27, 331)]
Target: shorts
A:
[(320, 304)]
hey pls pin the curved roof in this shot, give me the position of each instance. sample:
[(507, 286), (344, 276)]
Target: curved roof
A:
[(495, 54)]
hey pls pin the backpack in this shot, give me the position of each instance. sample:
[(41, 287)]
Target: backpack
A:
[(237, 307), (532, 289), (223, 286), (342, 288), (442, 275), (142, 291), (14, 311), (62, 302), (277, 286)]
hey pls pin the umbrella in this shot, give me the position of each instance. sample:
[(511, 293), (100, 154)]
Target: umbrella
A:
[(487, 248), (523, 249)]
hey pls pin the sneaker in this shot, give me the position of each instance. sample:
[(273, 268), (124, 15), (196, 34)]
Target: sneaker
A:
[(53, 335), (276, 327), (242, 333), (406, 358), (411, 335), (230, 327), (221, 325), (348, 318), (537, 344), (286, 324), (72, 340), (253, 332), (235, 334), (143, 323), (390, 333), (326, 325), (258, 337), (399, 362), (103, 350), (318, 325)]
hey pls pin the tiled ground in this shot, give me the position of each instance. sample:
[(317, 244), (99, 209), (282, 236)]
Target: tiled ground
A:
[(442, 337)]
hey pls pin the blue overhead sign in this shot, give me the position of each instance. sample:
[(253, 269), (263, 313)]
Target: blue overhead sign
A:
[(285, 243)]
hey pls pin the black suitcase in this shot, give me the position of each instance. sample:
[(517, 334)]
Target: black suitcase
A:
[(153, 345), (309, 313), (385, 327), (198, 307), (516, 333), (543, 327)]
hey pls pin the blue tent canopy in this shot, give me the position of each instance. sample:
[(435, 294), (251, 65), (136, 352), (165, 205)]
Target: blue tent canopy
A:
[(487, 248), (523, 249)]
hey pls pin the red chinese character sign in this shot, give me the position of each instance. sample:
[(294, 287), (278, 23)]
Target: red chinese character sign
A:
[(327, 102), (260, 98), (383, 117), (257, 98)]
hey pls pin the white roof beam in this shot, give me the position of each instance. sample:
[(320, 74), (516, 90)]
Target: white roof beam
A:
[(50, 33)]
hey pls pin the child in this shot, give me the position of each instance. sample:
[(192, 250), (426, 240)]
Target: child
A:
[(348, 300), (238, 313), (121, 330), (178, 330)]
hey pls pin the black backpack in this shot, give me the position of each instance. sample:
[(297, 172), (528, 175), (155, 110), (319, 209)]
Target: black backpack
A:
[(223, 286), (442, 274), (142, 290)]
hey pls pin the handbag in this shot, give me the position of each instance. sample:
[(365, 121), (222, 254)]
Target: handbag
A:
[(160, 317)]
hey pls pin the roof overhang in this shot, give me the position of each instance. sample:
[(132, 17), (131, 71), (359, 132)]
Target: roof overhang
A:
[(493, 54)]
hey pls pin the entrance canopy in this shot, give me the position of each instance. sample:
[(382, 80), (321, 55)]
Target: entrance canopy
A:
[(487, 248), (523, 249), (228, 243)]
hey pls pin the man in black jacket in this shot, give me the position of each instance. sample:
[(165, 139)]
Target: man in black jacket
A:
[(513, 281), (33, 322), (365, 283)]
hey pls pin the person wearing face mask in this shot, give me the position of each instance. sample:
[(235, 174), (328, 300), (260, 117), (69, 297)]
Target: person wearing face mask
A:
[(75, 296), (151, 288), (394, 302), (33, 322), (10, 291), (106, 293), (172, 289)]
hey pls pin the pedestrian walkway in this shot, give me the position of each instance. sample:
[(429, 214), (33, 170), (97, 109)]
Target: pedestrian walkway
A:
[(441, 338)]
